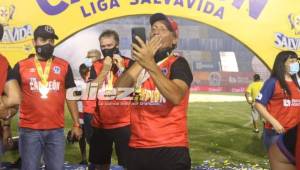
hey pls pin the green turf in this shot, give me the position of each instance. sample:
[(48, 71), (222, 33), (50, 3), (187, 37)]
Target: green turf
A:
[(217, 131)]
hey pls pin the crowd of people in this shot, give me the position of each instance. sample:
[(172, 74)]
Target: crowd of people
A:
[(148, 128), (149, 132)]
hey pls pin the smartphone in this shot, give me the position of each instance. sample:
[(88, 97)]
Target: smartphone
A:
[(138, 31)]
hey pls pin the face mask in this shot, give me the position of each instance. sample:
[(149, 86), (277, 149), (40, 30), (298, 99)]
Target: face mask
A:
[(45, 51), (88, 62), (161, 54), (110, 52), (294, 68)]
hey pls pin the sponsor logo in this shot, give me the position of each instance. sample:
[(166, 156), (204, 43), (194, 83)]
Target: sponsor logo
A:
[(13, 34)]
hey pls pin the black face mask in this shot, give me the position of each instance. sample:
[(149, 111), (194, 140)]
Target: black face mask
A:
[(45, 51), (110, 52), (161, 54)]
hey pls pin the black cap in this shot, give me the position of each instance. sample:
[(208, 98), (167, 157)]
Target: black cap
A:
[(45, 31), (1, 32)]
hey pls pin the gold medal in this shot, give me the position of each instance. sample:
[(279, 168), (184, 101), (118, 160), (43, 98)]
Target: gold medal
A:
[(109, 86), (43, 85), (137, 94)]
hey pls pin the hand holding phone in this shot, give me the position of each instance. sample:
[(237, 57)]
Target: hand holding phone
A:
[(140, 32)]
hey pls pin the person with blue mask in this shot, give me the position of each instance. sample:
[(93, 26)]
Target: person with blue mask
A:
[(279, 99), (88, 106)]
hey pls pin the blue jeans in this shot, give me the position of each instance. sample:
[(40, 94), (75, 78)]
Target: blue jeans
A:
[(35, 143), (270, 136)]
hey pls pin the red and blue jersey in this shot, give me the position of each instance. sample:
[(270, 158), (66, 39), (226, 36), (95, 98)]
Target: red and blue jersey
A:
[(283, 107), (38, 113)]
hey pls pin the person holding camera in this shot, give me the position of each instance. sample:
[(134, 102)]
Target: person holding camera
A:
[(112, 119), (10, 98), (44, 79), (159, 134)]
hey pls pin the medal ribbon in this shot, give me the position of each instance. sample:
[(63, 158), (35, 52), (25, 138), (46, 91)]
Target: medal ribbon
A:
[(110, 80), (43, 74)]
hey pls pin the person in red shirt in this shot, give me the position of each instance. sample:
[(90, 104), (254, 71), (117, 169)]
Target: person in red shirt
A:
[(10, 98), (112, 119), (88, 106), (279, 100), (44, 79), (161, 78)]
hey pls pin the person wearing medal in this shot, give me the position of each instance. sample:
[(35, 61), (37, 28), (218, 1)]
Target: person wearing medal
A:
[(112, 119), (159, 134), (10, 98), (44, 79)]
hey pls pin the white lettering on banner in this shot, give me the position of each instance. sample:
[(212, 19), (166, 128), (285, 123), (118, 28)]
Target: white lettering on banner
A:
[(15, 34), (207, 7), (99, 6), (254, 7), (284, 42)]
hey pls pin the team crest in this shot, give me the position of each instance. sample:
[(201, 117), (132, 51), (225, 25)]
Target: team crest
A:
[(164, 71), (56, 70)]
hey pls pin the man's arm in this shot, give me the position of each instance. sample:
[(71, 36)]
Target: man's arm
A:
[(247, 96), (72, 105), (104, 71), (266, 115), (129, 77), (12, 90), (172, 90), (6, 114), (12, 95)]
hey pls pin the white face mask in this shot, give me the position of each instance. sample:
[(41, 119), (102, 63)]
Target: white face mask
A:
[(88, 62), (294, 68)]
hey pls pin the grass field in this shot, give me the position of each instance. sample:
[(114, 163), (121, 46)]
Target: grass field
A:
[(220, 133)]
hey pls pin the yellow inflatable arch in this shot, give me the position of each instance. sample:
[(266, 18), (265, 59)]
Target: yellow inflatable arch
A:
[(264, 26)]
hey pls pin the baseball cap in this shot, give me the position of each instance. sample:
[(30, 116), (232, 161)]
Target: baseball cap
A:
[(171, 23), (45, 31)]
